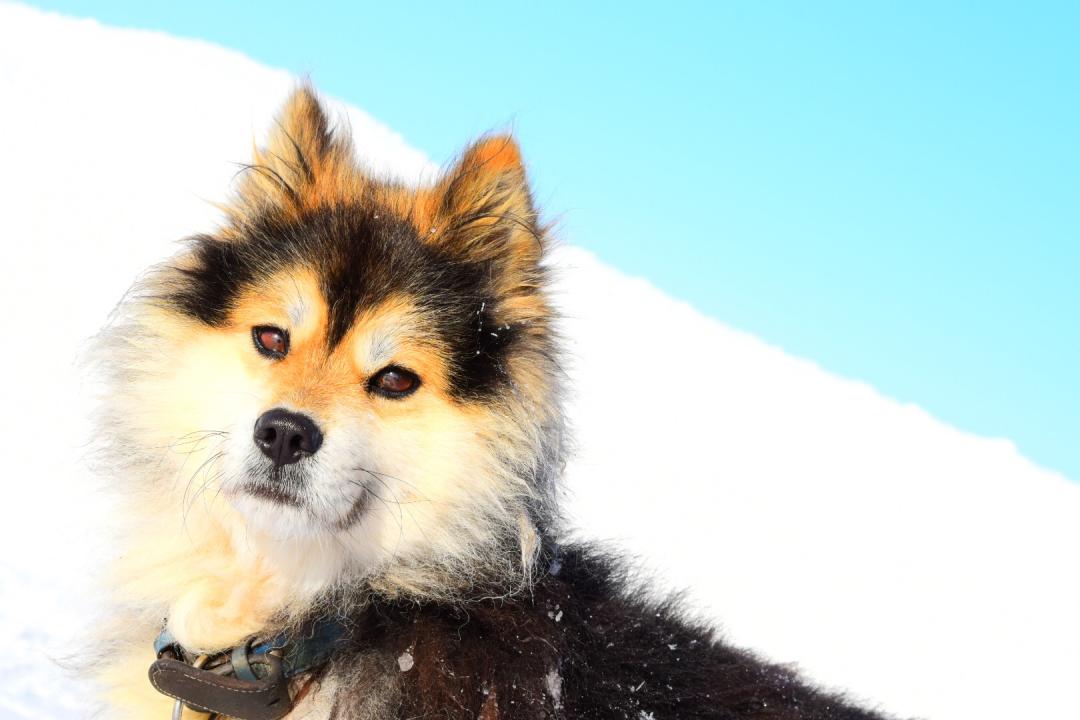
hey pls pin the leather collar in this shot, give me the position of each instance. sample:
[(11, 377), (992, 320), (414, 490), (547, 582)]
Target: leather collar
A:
[(249, 681)]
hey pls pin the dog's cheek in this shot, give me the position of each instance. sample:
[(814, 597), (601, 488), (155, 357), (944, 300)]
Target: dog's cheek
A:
[(446, 478), (201, 388)]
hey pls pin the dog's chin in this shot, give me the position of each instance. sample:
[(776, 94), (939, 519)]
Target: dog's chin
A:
[(278, 516), (312, 551), (284, 514)]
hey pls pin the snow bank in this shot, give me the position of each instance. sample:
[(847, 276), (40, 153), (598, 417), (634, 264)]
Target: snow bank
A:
[(921, 568)]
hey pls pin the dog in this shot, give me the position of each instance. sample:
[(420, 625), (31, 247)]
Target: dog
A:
[(336, 431)]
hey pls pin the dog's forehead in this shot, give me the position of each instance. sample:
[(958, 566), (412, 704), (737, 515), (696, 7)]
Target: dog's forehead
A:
[(340, 265), (355, 256), (360, 255)]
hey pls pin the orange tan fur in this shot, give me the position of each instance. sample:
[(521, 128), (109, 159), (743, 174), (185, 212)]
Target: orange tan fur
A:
[(203, 558)]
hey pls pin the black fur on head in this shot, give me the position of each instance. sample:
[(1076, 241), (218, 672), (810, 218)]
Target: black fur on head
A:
[(463, 255), (363, 255)]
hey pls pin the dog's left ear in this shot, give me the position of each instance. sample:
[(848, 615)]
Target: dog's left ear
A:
[(483, 207), (304, 164)]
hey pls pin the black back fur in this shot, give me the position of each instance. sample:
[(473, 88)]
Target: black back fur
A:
[(577, 646)]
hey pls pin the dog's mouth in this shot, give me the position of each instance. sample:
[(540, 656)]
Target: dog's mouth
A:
[(289, 492), (355, 512), (273, 493), (281, 486)]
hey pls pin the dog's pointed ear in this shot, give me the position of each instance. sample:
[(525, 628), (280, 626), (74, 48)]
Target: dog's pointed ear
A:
[(304, 163), (484, 209)]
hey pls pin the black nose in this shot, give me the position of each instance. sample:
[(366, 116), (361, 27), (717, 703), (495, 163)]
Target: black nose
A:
[(286, 436)]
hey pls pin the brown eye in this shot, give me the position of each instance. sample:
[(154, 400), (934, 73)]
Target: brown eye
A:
[(394, 382), (271, 341)]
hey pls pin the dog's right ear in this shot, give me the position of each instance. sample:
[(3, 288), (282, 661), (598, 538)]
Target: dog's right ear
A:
[(305, 163)]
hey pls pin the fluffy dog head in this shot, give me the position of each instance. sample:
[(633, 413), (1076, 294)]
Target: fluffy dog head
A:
[(351, 377)]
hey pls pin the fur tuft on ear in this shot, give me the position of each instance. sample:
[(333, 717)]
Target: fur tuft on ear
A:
[(484, 208), (305, 163)]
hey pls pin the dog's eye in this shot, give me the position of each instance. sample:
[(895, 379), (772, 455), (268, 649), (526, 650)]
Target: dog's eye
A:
[(271, 341), (394, 382)]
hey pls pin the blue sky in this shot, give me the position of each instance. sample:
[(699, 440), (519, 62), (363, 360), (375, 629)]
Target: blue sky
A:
[(889, 189)]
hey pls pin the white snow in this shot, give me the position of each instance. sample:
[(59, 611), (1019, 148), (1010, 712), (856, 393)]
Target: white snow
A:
[(553, 683), (924, 569), (405, 661)]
